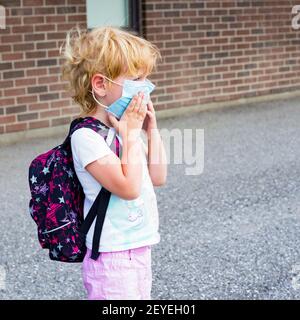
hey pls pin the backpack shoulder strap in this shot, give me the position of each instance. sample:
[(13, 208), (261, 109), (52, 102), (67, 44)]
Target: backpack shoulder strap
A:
[(87, 122), (109, 135), (99, 207)]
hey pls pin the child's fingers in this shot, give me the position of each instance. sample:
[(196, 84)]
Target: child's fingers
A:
[(139, 102), (131, 104), (143, 110), (150, 105)]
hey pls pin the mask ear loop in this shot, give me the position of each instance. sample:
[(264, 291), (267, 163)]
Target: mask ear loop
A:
[(93, 93), (119, 84), (101, 104)]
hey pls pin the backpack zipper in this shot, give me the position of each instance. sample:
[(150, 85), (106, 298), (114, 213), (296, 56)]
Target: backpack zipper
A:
[(57, 228)]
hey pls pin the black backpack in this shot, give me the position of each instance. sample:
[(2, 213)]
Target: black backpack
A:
[(57, 198)]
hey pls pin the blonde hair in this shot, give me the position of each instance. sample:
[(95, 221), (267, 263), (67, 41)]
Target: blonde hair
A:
[(107, 50)]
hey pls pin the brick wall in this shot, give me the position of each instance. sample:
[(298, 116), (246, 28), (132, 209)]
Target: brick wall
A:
[(212, 51), (31, 92), (223, 50)]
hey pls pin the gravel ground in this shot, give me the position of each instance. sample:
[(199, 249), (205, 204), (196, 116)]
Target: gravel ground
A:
[(231, 232)]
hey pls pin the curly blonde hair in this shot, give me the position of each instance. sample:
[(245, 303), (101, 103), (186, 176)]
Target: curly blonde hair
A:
[(107, 50)]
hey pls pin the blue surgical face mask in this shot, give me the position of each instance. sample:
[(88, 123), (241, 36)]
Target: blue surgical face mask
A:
[(130, 89)]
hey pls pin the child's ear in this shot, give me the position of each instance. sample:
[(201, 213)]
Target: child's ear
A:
[(99, 85)]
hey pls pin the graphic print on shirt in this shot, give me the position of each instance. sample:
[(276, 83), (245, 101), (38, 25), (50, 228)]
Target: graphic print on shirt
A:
[(136, 212)]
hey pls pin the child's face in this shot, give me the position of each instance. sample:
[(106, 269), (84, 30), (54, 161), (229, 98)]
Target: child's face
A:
[(109, 94), (114, 92)]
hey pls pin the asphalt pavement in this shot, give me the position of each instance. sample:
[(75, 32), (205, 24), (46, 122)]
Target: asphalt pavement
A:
[(231, 232)]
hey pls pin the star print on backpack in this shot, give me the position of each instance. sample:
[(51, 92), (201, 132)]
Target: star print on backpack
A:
[(57, 198)]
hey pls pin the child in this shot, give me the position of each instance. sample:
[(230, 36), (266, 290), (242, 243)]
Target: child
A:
[(96, 65)]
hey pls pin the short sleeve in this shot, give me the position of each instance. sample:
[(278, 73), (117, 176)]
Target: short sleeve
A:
[(88, 146)]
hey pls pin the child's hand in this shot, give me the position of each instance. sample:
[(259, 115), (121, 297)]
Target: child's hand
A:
[(150, 119), (132, 119)]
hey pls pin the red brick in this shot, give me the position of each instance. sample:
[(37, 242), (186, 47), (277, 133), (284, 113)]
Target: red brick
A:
[(36, 72), (25, 82), (33, 3), (49, 96), (66, 10), (60, 121), (57, 87), (34, 37), (7, 119), (76, 18), (37, 89), (35, 54), (44, 27), (38, 106), (55, 70), (7, 102), (34, 20), (55, 2), (16, 127), (48, 79), (16, 109), (53, 53), (12, 56), (5, 48), (46, 45), (24, 64), (5, 66), (27, 116), (39, 124), (44, 10), (50, 113), (27, 99), (13, 21), (22, 29), (80, 2), (6, 84), (56, 19), (11, 38), (59, 104), (23, 47), (13, 74), (65, 95), (14, 92), (56, 36), (21, 12), (64, 26)]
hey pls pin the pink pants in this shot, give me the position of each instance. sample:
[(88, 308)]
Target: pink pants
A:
[(119, 275)]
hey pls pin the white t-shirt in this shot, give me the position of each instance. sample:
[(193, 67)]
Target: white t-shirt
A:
[(128, 224)]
